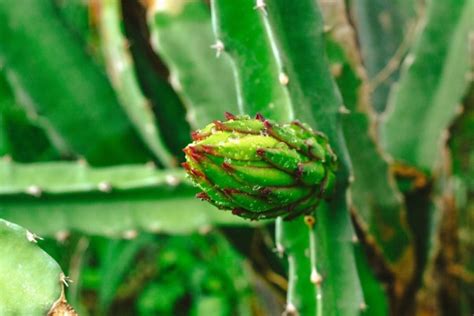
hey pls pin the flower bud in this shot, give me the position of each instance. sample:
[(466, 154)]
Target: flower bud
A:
[(260, 169)]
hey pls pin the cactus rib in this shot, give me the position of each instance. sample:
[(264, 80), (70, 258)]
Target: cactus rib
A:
[(122, 76)]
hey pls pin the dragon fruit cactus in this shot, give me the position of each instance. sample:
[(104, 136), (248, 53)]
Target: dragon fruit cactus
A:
[(260, 169)]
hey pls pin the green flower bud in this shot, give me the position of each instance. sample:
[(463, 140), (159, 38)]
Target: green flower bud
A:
[(260, 169)]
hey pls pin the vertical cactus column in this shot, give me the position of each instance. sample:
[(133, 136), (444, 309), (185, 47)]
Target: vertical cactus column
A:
[(203, 82), (125, 82), (277, 52)]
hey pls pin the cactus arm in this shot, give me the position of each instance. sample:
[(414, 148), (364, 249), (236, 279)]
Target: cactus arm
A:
[(76, 16), (309, 72), (433, 80), (249, 40), (376, 301), (51, 80), (112, 201), (151, 75), (78, 177), (461, 147), (16, 130), (29, 278), (376, 204), (308, 57), (122, 76), (384, 33), (203, 82)]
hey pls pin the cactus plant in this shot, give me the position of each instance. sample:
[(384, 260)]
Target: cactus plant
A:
[(115, 87), (30, 280)]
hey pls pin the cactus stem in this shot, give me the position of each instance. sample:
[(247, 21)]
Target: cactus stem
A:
[(219, 48), (280, 250), (315, 277), (290, 306)]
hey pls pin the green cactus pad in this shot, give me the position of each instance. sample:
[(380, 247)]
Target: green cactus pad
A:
[(29, 278), (260, 169)]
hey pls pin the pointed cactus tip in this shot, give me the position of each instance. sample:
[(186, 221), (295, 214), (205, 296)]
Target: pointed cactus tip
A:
[(229, 116), (259, 117)]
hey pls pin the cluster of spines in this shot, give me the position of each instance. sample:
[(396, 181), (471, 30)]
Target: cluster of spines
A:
[(302, 174)]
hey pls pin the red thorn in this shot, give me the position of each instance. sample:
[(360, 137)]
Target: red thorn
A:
[(227, 167), (298, 123), (203, 196), (267, 124), (197, 173), (260, 151), (237, 211), (219, 125), (196, 135), (191, 151), (265, 191), (230, 191), (192, 171), (260, 117), (207, 149), (229, 116), (299, 171)]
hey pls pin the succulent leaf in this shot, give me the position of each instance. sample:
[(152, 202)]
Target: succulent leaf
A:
[(260, 169)]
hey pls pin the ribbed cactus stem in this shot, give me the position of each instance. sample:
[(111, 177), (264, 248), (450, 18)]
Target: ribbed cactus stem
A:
[(315, 277), (290, 295), (280, 250)]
